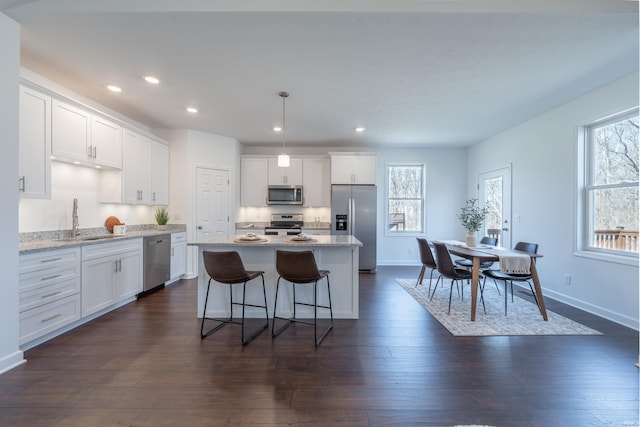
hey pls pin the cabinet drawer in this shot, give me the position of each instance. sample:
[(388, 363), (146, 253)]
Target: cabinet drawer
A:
[(47, 294), (178, 237), (102, 250), (49, 259), (47, 318), (43, 278)]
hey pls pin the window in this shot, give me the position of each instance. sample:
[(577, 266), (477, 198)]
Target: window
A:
[(405, 206), (611, 185)]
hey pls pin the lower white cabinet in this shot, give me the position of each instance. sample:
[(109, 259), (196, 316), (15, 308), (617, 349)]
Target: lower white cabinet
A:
[(178, 255), (111, 272), (49, 292)]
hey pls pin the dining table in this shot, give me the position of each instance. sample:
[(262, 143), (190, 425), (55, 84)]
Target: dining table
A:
[(489, 253)]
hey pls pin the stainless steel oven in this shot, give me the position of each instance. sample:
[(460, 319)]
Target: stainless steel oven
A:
[(284, 225)]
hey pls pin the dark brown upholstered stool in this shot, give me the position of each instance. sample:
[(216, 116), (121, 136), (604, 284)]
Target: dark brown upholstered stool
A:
[(227, 268), (299, 267)]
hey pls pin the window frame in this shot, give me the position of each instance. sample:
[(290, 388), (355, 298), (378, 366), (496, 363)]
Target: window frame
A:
[(405, 233), (586, 172)]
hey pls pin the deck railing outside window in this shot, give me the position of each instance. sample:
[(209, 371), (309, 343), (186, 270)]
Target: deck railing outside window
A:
[(618, 239)]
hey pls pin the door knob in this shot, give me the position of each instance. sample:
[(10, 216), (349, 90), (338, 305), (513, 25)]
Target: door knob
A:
[(199, 227), (505, 229)]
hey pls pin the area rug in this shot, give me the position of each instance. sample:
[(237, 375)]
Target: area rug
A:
[(523, 317)]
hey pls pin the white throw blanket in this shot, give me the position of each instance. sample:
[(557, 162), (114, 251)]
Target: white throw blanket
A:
[(512, 263)]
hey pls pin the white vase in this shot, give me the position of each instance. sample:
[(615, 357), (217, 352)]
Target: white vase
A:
[(471, 239)]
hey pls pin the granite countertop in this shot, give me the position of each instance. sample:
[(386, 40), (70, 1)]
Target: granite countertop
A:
[(271, 241), (47, 240)]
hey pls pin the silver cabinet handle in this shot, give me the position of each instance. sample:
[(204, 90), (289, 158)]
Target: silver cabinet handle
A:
[(48, 319), (51, 295), (21, 184), (51, 259), (51, 277)]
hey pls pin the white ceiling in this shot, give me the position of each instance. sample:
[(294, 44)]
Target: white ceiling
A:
[(413, 72)]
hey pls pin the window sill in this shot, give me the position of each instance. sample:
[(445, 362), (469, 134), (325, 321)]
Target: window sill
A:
[(609, 257)]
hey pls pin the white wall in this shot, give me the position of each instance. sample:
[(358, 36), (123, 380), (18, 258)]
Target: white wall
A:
[(543, 152), (10, 355), (445, 194), (190, 149)]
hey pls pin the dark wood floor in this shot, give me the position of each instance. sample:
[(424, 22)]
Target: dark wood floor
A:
[(145, 365)]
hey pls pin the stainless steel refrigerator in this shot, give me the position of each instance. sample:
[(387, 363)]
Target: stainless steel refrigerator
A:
[(353, 211)]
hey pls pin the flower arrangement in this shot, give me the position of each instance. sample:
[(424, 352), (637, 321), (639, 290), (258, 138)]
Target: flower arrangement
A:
[(162, 216), (472, 216)]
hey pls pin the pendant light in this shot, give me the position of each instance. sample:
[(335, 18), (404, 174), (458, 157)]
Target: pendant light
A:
[(283, 159)]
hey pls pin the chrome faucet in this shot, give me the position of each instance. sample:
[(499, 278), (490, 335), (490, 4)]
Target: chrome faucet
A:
[(74, 218)]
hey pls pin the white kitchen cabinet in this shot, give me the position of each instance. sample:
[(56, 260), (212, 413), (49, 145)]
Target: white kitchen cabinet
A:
[(316, 181), (34, 162), (178, 255), (136, 168), (49, 292), (291, 175), (144, 178), (84, 138), (353, 169), (106, 142), (111, 273), (253, 181), (70, 127), (159, 173)]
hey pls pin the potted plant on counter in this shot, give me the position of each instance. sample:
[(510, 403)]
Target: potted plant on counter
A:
[(162, 218), (472, 218)]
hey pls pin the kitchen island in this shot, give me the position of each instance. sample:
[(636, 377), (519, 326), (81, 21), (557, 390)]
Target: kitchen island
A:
[(338, 254)]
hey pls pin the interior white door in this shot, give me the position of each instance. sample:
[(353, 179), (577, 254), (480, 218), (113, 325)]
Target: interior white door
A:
[(494, 192), (212, 204)]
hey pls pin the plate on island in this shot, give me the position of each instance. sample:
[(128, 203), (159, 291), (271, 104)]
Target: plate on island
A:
[(247, 238), (301, 238)]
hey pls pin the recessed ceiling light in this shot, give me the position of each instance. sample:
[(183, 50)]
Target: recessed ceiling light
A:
[(277, 129), (359, 129), (114, 88), (192, 110), (152, 80)]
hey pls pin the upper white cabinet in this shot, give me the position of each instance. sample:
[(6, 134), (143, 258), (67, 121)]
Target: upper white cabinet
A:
[(144, 178), (353, 169), (159, 173), (106, 142), (254, 172), (79, 136), (316, 181), (34, 161), (291, 175)]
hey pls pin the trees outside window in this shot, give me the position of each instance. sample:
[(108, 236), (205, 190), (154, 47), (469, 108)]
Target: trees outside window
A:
[(405, 205), (611, 188)]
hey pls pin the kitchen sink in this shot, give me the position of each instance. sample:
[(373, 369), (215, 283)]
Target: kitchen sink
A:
[(86, 239)]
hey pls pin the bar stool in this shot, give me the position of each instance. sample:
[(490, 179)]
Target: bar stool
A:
[(227, 268), (299, 267)]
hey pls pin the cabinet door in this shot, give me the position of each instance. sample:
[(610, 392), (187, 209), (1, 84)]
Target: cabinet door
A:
[(342, 170), (106, 142), (364, 170), (70, 132), (34, 162), (136, 168), (129, 275), (291, 175), (98, 276), (316, 182), (253, 181), (178, 258), (159, 174)]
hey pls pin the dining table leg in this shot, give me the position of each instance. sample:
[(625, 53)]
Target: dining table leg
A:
[(538, 290), (475, 278)]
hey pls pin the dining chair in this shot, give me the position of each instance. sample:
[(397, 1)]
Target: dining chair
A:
[(428, 261), (299, 267), (227, 268), (447, 269), (468, 264), (508, 279)]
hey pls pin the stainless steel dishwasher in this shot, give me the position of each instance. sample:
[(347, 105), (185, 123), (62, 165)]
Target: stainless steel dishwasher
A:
[(157, 261)]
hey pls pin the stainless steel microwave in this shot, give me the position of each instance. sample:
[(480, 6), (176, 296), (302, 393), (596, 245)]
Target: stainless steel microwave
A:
[(284, 195)]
